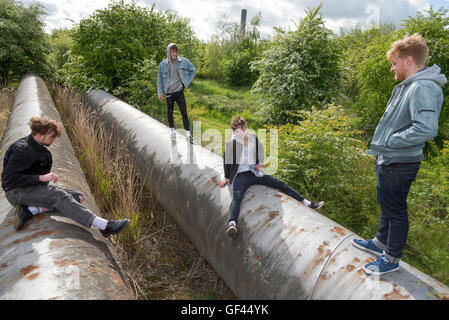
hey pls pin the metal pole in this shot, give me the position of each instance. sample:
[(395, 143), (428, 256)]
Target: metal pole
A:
[(243, 23)]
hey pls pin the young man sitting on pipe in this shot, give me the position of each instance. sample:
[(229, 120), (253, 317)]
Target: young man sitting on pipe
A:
[(243, 161), (26, 180)]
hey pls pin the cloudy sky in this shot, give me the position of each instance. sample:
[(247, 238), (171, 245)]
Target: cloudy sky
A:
[(204, 14)]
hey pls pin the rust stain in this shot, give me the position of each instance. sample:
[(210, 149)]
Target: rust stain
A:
[(356, 260), (350, 267), (64, 263), (395, 294), (26, 271), (339, 230), (279, 195), (33, 276), (272, 215), (34, 235), (325, 276)]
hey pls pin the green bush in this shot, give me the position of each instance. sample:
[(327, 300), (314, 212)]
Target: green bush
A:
[(428, 242), (23, 43), (112, 43), (237, 70), (323, 158), (141, 88), (301, 69)]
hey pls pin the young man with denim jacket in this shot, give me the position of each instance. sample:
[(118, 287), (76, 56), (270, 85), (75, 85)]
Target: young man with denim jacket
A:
[(410, 119), (174, 75), (243, 160)]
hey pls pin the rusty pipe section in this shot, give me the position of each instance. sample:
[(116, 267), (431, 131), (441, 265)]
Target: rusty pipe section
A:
[(283, 250), (53, 257)]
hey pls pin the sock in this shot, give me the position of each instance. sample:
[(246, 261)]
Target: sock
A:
[(232, 222), (35, 210), (173, 131), (379, 244), (100, 223), (188, 133), (306, 202)]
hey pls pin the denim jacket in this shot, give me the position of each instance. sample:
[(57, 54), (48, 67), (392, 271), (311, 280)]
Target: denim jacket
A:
[(411, 116), (186, 72)]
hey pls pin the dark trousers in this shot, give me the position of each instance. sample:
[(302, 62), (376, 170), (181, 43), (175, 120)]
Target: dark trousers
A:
[(244, 180), (55, 198), (393, 185), (181, 101)]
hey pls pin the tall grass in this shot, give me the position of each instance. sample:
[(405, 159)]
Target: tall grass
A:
[(156, 256), (6, 101)]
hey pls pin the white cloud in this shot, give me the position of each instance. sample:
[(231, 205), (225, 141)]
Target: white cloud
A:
[(205, 14)]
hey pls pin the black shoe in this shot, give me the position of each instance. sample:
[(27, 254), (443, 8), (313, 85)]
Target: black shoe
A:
[(114, 226), (22, 216), (316, 205)]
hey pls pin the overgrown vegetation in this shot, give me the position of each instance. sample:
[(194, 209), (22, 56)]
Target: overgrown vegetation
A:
[(158, 259), (324, 92)]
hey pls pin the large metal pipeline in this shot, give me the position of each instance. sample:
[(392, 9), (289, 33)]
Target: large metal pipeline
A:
[(283, 250), (53, 257)]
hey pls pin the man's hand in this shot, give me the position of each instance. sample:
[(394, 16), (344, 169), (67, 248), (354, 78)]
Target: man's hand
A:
[(223, 182), (258, 167), (161, 98), (49, 177)]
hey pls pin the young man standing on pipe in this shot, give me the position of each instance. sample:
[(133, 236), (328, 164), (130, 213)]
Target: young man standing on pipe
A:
[(243, 160), (26, 176), (174, 75), (411, 119)]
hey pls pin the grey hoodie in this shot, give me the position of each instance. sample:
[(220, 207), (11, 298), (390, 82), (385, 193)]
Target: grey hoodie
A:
[(175, 83), (411, 117)]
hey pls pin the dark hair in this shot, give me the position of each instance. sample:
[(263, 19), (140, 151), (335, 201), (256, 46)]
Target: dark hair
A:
[(238, 122), (44, 125)]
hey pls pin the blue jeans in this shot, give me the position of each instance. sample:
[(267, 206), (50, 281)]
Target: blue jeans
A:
[(393, 185), (244, 180)]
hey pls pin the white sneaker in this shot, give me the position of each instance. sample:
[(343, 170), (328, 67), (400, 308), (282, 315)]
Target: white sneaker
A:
[(173, 137), (232, 229)]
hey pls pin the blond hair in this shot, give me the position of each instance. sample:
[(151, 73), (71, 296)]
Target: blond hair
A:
[(414, 46), (44, 125)]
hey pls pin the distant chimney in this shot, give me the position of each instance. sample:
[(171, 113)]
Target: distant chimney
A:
[(243, 23)]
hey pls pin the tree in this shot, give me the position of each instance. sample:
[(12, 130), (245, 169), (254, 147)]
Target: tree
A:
[(23, 43), (111, 45), (228, 54), (300, 69)]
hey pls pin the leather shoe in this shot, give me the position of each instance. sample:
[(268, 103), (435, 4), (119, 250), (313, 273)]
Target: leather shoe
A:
[(114, 226), (22, 216)]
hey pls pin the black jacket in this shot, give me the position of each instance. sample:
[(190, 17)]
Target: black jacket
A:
[(233, 154), (24, 161)]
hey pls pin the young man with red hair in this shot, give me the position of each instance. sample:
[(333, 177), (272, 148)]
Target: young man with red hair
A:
[(410, 119)]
